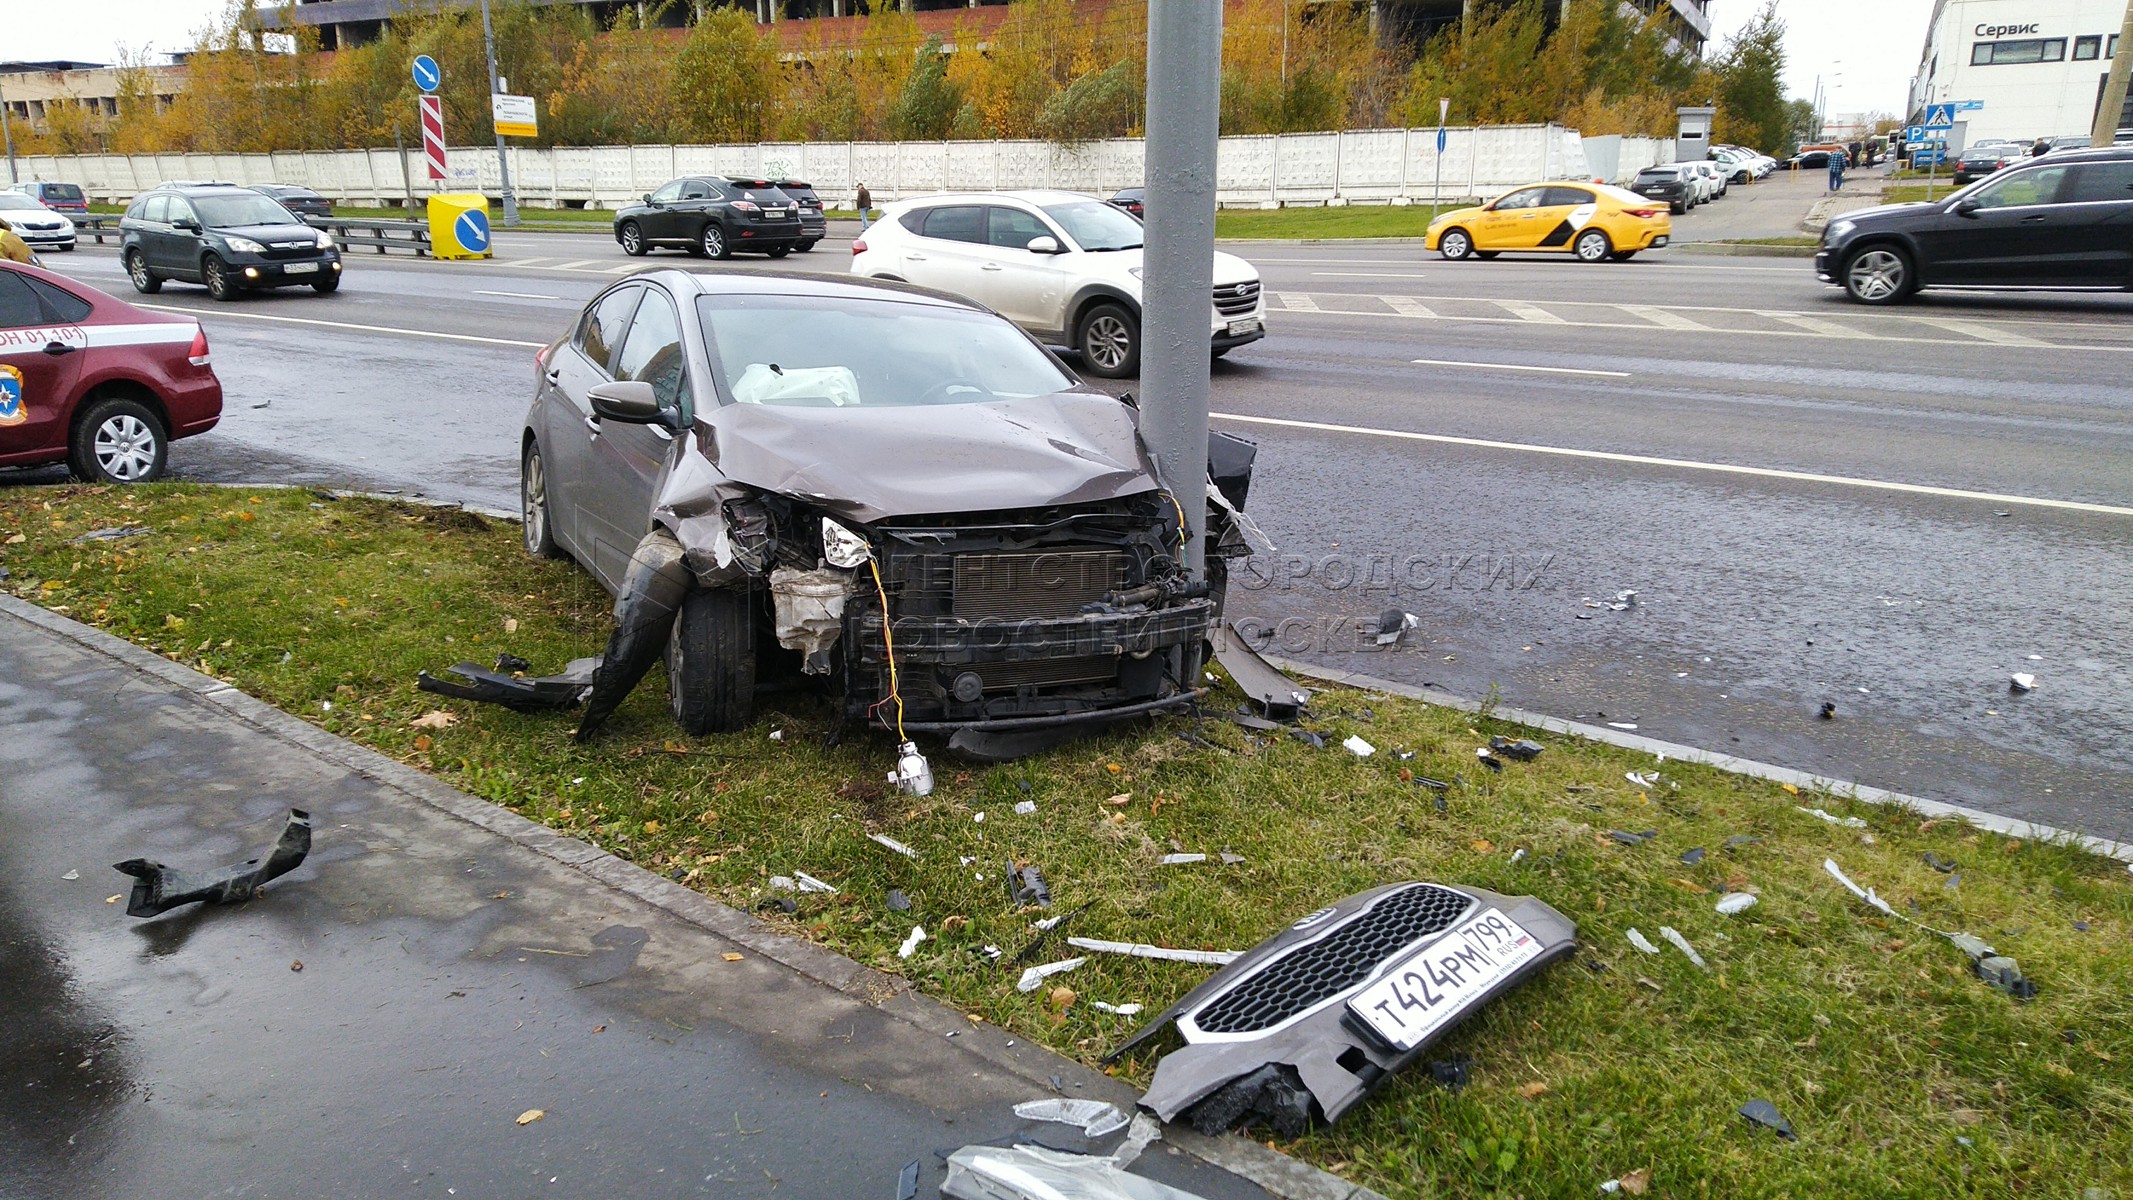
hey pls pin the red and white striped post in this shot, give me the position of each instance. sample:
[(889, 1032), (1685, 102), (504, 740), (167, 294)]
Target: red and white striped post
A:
[(431, 108)]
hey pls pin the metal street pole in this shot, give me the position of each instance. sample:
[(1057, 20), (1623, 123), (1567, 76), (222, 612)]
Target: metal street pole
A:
[(503, 162), (2113, 107), (1178, 266)]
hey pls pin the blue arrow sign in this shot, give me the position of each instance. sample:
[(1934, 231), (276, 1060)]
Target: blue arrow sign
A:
[(427, 73), (472, 230), (1441, 139), (1940, 116)]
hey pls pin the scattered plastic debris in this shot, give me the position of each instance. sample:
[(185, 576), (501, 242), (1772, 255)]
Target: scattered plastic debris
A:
[(1035, 1173), (2021, 682), (898, 902), (1215, 958), (1518, 856), (777, 735), (114, 534), (1435, 785), (516, 692), (1643, 779), (1938, 863), (1692, 857), (977, 818), (1996, 969), (1028, 885), (1741, 839), (883, 839), (1452, 1073), (2003, 973), (912, 774), (1681, 943), (1524, 749), (1735, 902), (1358, 747), (1641, 942), (1123, 1010), (1231, 860), (1483, 756), (907, 1181), (809, 883), (1035, 976), (1628, 725), (1179, 860), (1828, 711), (1048, 922), (1765, 1114), (72, 873), (1393, 625), (1832, 818), (1632, 839), (1024, 808), (158, 889), (1309, 738), (1097, 1118), (1257, 678), (910, 946)]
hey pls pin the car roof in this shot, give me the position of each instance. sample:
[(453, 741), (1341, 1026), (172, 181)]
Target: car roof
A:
[(2119, 153), (713, 281), (1037, 196), (200, 189)]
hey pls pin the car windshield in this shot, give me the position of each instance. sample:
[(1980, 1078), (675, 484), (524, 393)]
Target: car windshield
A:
[(1095, 226), (217, 212), (17, 200), (817, 352)]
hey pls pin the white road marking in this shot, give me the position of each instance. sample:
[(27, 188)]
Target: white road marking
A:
[(517, 295), (579, 265), (1819, 327), (1984, 333), (1665, 318), (424, 333), (1446, 362), (1407, 306), (627, 269), (1529, 312), (1371, 274), (1296, 302), (1915, 489), (522, 262)]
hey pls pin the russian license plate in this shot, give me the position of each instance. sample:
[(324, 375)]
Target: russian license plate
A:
[(1241, 327), (299, 268), (775, 214), (1427, 991)]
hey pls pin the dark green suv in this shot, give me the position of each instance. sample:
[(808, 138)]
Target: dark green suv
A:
[(229, 238)]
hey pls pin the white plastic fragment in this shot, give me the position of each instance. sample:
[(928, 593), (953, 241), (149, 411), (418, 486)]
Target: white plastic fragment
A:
[(1047, 923), (882, 839), (777, 735), (978, 818), (912, 774), (73, 874), (1832, 818), (1641, 942), (1034, 1173), (1212, 958), (1735, 902), (1611, 1186), (1123, 1010), (2022, 681), (809, 883), (1518, 856), (1146, 1129), (1024, 808), (1643, 779), (1179, 860), (783, 883), (1681, 943), (1358, 747), (1038, 974), (910, 946), (1097, 1118), (1629, 725)]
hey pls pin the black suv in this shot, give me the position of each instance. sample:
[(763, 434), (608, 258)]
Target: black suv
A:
[(813, 224), (230, 238), (713, 216), (2061, 221), (300, 200)]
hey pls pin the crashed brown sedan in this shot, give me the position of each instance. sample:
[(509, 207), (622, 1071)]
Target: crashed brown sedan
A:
[(890, 491)]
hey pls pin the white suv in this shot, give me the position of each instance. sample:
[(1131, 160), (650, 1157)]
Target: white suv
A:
[(1063, 266)]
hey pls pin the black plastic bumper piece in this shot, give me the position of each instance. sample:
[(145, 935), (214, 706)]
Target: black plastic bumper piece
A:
[(158, 889), (538, 694)]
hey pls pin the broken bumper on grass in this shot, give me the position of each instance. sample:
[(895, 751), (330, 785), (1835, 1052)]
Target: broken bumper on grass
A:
[(1306, 1024), (158, 889)]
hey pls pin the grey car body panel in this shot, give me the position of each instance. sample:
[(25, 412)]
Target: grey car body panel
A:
[(1314, 1043)]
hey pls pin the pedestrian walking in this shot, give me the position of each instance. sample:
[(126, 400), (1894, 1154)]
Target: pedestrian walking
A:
[(866, 203), (2040, 149), (1836, 170)]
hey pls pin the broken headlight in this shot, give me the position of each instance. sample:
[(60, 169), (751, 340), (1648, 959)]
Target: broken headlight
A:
[(843, 548)]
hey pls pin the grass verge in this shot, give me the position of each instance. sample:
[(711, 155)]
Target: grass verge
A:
[(1904, 1075), (1347, 221)]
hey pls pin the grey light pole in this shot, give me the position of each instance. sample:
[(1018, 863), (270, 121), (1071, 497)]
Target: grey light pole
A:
[(503, 162), (1177, 284)]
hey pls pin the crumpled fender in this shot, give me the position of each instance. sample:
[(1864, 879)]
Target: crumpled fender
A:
[(651, 595), (158, 889)]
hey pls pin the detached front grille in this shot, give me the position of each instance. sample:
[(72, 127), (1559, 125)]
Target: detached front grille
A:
[(1331, 965), (1043, 584), (1237, 299)]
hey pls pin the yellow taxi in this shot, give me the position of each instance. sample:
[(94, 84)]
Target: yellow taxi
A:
[(1594, 221)]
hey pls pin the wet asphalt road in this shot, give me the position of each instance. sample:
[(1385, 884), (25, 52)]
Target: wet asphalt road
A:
[(1763, 588)]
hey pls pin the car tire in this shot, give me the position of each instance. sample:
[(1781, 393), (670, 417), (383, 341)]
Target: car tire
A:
[(631, 235), (535, 523), (1623, 255), (779, 251), (1592, 246), (711, 662), (145, 281), (216, 275), (1109, 340), (1879, 274), (1456, 245), (804, 247), (1679, 210), (116, 440), (326, 285), (1486, 255), (711, 243)]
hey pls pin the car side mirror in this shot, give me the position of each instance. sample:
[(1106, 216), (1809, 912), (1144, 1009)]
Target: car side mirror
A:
[(648, 200), (629, 401), (1044, 244), (187, 224), (1966, 208)]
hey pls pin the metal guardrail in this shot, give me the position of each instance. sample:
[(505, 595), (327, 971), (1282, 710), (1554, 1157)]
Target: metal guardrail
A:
[(382, 235), (98, 226)]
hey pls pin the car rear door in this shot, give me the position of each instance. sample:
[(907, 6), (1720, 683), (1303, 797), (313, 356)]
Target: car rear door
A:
[(626, 459), (2098, 197), (568, 430), (1563, 212), (2019, 234), (1513, 222), (36, 383), (949, 249), (1024, 287), (696, 207)]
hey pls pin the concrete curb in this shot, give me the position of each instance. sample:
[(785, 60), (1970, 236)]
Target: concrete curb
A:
[(1277, 1173), (1743, 250), (1806, 781)]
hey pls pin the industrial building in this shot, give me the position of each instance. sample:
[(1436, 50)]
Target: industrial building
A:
[(2034, 68)]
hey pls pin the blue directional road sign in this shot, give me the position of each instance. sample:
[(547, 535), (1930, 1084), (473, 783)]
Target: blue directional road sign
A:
[(1441, 139), (472, 230), (1940, 116), (427, 73)]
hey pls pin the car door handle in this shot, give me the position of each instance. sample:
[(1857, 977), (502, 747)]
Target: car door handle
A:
[(990, 267), (2034, 219), (592, 426), (55, 349), (914, 258), (556, 375)]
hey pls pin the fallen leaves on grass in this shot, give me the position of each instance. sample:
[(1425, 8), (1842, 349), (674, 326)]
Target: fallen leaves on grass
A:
[(1636, 1182), (436, 718), (1534, 1090), (531, 1115)]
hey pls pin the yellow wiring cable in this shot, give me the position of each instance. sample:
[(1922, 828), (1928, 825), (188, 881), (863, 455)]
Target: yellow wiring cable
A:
[(889, 643), (1181, 520)]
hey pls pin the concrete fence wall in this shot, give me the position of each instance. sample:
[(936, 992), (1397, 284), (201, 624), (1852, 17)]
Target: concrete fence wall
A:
[(1372, 166)]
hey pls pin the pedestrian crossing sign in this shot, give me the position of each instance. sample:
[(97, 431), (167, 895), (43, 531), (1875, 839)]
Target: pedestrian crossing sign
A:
[(1940, 116)]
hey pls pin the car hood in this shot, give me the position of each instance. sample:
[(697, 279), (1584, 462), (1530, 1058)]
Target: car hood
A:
[(866, 464), (1119, 266), (1457, 214), (269, 234), (1884, 210)]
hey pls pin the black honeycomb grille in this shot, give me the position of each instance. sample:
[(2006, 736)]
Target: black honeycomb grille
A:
[(1333, 964)]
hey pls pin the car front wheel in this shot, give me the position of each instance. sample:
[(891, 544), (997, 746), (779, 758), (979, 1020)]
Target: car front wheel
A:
[(118, 441), (533, 505), (713, 241), (1110, 342), (1456, 245), (632, 239), (326, 285), (1878, 275), (216, 275), (1592, 246), (711, 662), (145, 281)]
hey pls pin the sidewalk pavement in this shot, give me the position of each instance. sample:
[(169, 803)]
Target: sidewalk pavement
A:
[(377, 1023)]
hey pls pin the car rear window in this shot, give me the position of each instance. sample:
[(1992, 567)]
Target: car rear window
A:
[(19, 306), (817, 352), (59, 305), (62, 191)]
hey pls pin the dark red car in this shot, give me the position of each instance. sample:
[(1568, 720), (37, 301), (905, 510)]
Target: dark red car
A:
[(89, 380)]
